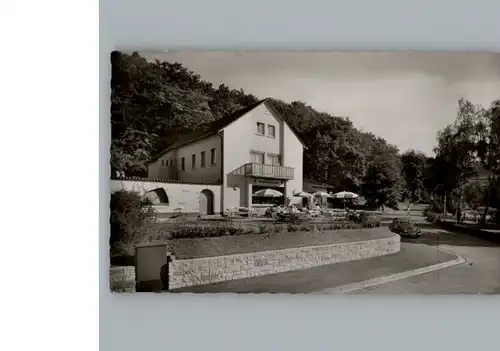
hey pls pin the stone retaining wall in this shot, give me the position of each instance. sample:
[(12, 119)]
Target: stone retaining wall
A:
[(122, 279), (189, 272)]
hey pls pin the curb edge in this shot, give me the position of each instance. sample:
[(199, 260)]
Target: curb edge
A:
[(348, 288)]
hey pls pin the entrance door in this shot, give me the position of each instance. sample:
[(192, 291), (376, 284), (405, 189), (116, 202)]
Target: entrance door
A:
[(206, 203)]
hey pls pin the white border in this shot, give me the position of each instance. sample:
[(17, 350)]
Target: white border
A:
[(49, 145), (49, 141)]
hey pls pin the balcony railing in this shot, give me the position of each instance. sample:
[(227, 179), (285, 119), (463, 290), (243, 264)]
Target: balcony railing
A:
[(268, 171)]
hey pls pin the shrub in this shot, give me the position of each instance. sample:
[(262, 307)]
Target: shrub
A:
[(263, 228), (229, 229), (352, 217), (495, 216), (435, 207), (209, 231), (437, 217), (128, 217), (426, 211), (368, 221), (371, 223), (290, 218)]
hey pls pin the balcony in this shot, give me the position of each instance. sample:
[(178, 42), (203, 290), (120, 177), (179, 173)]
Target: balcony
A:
[(268, 171)]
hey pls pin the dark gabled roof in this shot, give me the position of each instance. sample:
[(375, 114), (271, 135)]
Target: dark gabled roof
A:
[(316, 183), (210, 129), (312, 185)]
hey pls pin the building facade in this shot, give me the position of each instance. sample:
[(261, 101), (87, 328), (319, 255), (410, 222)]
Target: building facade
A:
[(251, 150)]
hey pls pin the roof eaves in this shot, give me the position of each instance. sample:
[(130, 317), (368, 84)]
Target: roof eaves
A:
[(181, 144), (238, 114), (269, 105), (316, 183), (233, 117)]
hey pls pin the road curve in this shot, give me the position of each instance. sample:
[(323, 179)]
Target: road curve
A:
[(479, 275)]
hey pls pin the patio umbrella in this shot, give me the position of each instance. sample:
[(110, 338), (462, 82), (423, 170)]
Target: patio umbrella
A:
[(359, 200), (268, 193), (307, 196), (345, 195), (303, 194), (323, 196), (321, 193)]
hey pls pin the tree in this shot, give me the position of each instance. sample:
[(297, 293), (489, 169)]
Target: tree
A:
[(466, 147), (456, 153), (383, 182), (129, 212), (334, 156), (152, 102), (488, 148), (413, 172), (474, 195)]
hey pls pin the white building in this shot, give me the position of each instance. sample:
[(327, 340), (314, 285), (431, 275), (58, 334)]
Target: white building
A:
[(252, 149)]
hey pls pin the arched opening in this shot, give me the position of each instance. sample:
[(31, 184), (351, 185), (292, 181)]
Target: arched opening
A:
[(206, 202), (157, 196)]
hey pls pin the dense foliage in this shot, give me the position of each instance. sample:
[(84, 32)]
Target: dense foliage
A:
[(229, 229), (466, 169), (414, 165), (129, 214), (152, 102)]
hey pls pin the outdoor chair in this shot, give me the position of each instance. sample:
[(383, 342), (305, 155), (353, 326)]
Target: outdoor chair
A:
[(177, 212), (232, 212), (253, 213)]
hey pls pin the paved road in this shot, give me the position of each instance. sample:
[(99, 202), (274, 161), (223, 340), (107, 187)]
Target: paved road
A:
[(480, 275), (328, 278)]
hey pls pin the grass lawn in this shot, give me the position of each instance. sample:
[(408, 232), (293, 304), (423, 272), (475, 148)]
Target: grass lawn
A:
[(195, 239), (230, 245)]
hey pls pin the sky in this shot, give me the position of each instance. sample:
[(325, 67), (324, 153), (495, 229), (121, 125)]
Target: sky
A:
[(403, 97)]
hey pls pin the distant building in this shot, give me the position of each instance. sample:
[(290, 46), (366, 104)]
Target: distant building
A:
[(252, 149)]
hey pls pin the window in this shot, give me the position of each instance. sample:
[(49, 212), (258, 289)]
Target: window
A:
[(261, 128), (193, 161), (274, 160), (203, 159), (171, 163), (162, 163), (212, 157), (257, 157), (183, 163), (271, 131)]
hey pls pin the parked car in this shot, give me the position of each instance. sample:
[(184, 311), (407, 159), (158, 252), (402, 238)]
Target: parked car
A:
[(405, 227)]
